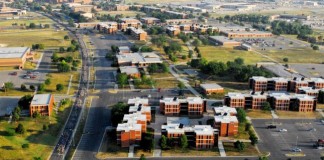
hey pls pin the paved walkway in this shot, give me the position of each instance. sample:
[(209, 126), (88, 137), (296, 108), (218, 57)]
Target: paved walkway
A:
[(39, 61), (185, 82), (321, 112), (274, 115), (131, 151), (131, 85), (221, 149)]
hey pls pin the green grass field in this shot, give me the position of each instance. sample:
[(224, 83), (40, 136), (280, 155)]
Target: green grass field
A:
[(40, 142), (8, 23), (212, 53), (48, 37), (296, 55), (248, 151), (153, 1)]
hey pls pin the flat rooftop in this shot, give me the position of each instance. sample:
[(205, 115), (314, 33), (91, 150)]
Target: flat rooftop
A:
[(223, 39), (129, 70), (225, 118), (207, 86), (224, 109), (13, 52), (137, 101), (41, 99)]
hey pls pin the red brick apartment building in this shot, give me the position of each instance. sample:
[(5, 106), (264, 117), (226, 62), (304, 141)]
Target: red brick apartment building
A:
[(193, 106), (199, 136), (150, 20), (235, 100), (225, 121), (173, 31), (138, 34), (258, 101), (305, 103), (311, 91), (128, 134), (42, 103), (281, 102), (129, 22), (259, 83), (144, 110), (297, 83), (120, 7)]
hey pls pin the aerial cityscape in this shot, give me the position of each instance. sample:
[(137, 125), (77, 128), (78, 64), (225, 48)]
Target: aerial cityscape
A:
[(172, 79)]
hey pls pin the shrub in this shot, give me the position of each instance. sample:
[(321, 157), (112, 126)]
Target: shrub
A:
[(26, 145)]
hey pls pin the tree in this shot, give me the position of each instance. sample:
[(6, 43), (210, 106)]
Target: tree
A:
[(41, 87), (263, 158), (152, 68), (20, 129), (23, 87), (196, 42), (241, 115), (190, 53), (164, 67), (46, 26), (142, 157), (183, 57), (285, 59), (321, 96), (61, 49), (8, 86), (66, 37), (315, 47), (48, 81), (122, 79), (134, 48), (55, 57), (240, 146), (248, 126), (26, 145), (24, 102), (36, 115), (184, 141), (32, 87), (117, 113), (32, 25), (164, 142), (45, 127), (15, 116), (266, 106), (63, 67), (41, 46), (59, 87), (181, 85), (254, 139)]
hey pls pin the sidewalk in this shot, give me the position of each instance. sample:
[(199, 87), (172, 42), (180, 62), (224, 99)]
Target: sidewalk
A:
[(185, 82), (221, 149)]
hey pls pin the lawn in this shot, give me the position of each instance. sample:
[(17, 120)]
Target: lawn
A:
[(228, 82), (320, 106), (248, 151), (40, 142), (63, 78), (297, 115), (15, 92), (242, 134), (49, 37), (125, 13), (8, 23), (153, 1), (212, 53), (296, 55), (109, 148), (258, 114), (30, 65), (190, 152), (166, 83)]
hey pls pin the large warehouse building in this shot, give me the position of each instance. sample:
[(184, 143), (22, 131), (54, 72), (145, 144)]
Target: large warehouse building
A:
[(14, 56)]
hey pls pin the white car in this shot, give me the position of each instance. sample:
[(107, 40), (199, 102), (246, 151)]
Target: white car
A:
[(283, 130), (102, 37), (296, 150), (322, 121)]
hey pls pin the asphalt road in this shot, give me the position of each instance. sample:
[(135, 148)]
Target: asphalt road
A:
[(281, 143)]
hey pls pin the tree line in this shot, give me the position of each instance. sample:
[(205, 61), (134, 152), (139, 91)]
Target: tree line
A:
[(237, 68)]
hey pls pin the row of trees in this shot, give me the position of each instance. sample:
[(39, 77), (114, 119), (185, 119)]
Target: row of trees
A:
[(158, 68), (241, 117), (253, 18), (170, 143), (321, 97), (296, 27), (237, 68)]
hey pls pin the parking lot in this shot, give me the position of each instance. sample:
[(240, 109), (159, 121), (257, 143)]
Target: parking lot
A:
[(299, 133), (7, 104), (35, 77), (309, 70)]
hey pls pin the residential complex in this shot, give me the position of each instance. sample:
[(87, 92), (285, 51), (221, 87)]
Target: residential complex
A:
[(150, 20), (137, 33), (42, 103), (277, 100), (258, 83), (191, 106), (225, 121), (199, 136)]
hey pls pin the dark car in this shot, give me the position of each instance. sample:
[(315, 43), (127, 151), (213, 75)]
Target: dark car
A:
[(13, 73), (271, 127)]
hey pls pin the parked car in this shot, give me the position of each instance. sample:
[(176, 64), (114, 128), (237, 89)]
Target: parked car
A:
[(13, 73), (282, 130), (27, 77), (322, 121), (312, 129), (102, 37), (296, 149), (271, 126)]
